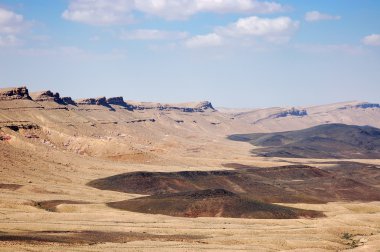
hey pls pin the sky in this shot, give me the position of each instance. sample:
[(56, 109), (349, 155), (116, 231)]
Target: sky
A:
[(234, 53)]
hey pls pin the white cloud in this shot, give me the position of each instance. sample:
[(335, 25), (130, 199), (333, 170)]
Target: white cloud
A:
[(274, 30), (9, 40), (106, 12), (99, 12), (256, 26), (183, 9), (152, 34), (10, 22), (208, 40), (372, 40), (314, 16)]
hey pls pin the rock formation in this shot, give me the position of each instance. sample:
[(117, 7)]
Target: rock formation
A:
[(14, 93), (69, 101), (366, 105), (120, 102), (184, 107), (291, 112), (93, 101), (22, 93), (204, 105), (47, 96), (100, 101)]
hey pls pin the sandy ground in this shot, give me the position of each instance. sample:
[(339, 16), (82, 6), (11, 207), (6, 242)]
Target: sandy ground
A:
[(18, 214)]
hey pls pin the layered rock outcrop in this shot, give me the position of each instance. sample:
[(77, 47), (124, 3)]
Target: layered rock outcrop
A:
[(366, 105), (14, 93), (184, 107), (291, 112), (69, 101), (100, 101), (44, 96), (47, 96), (119, 101), (93, 101)]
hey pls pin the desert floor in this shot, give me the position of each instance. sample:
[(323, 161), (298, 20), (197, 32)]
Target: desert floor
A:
[(91, 225)]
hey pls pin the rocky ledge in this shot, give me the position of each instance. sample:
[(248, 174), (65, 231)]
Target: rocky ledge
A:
[(93, 101), (119, 101), (44, 96), (69, 101), (100, 101), (291, 112), (14, 93), (47, 96), (366, 105), (184, 107)]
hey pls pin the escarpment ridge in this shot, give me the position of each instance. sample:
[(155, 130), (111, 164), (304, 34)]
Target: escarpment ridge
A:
[(15, 93)]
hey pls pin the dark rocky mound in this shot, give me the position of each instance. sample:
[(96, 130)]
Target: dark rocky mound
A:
[(286, 184), (14, 93), (291, 112), (324, 141), (69, 101), (211, 203), (120, 102), (47, 96)]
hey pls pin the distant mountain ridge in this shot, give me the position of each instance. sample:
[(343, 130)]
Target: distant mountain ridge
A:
[(15, 93), (323, 141)]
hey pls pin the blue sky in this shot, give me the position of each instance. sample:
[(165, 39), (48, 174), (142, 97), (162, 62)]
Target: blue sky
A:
[(235, 53)]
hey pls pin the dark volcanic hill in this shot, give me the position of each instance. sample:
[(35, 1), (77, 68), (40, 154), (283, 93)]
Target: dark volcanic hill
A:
[(211, 203), (324, 141), (285, 184)]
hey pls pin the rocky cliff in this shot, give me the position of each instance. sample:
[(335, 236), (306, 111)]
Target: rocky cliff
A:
[(119, 101), (100, 101), (291, 112), (69, 101), (184, 107), (14, 93), (47, 96)]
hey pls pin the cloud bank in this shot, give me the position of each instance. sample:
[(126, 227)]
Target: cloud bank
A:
[(103, 12), (315, 16)]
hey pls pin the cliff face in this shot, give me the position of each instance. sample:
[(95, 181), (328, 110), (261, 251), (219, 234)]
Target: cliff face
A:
[(291, 112), (47, 96), (362, 105), (119, 101), (100, 101), (368, 105), (14, 93), (204, 105), (183, 107), (92, 101), (69, 101)]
